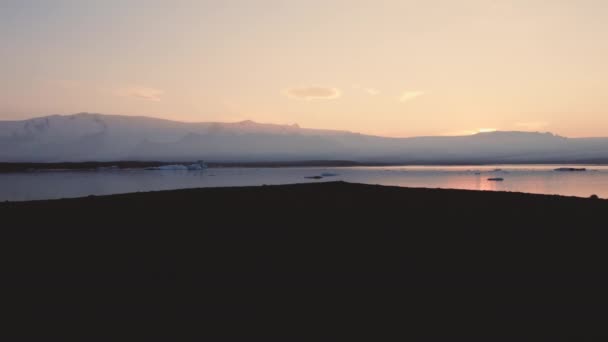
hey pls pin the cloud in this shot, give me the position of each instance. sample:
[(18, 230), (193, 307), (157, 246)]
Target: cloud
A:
[(410, 95), (312, 93), (370, 91), (145, 93)]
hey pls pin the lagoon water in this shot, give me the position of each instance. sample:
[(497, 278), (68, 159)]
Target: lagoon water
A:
[(541, 179)]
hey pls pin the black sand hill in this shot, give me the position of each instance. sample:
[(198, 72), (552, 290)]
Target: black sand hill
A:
[(292, 261)]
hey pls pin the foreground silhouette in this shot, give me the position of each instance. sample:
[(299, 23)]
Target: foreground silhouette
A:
[(291, 261)]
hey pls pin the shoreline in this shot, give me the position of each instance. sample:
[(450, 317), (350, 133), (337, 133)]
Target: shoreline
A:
[(254, 187), (13, 167), (6, 167)]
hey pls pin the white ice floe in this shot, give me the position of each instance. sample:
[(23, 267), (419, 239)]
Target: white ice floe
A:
[(200, 165)]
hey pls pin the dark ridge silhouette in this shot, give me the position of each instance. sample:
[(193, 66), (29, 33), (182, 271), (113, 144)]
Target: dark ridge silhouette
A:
[(308, 261)]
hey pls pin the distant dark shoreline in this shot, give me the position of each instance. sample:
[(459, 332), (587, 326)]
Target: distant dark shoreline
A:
[(24, 167), (6, 167)]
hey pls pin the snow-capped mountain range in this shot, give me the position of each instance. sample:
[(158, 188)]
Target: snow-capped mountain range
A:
[(98, 137)]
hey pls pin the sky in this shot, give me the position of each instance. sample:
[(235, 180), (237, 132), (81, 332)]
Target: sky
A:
[(394, 68)]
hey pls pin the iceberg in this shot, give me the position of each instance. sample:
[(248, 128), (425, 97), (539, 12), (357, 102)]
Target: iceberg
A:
[(200, 165)]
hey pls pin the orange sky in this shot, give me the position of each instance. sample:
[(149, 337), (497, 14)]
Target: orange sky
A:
[(399, 68)]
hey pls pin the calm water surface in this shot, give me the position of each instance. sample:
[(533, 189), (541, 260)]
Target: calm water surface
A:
[(540, 179)]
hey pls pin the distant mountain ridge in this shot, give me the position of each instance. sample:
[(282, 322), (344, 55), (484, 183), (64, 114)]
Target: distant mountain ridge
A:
[(99, 137)]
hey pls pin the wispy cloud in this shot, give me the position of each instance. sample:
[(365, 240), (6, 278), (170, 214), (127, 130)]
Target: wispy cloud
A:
[(145, 93), (370, 91), (312, 93), (407, 96)]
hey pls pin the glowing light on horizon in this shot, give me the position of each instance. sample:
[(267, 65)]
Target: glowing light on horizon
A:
[(486, 130), (470, 132)]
